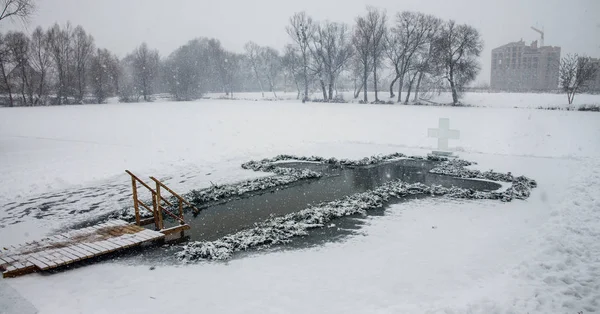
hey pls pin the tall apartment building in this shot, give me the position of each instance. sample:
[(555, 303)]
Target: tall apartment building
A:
[(520, 67), (594, 84)]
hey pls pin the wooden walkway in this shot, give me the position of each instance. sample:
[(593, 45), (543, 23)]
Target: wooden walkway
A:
[(73, 246)]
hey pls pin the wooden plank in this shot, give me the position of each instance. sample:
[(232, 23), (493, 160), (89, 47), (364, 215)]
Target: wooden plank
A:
[(147, 221), (96, 247), (8, 259), (58, 258), (84, 249), (49, 255), (175, 229), (38, 263), (69, 255), (117, 243), (84, 253), (88, 247), (107, 245), (154, 235), (41, 258), (115, 246), (130, 238), (30, 268), (126, 242), (143, 236), (76, 253), (99, 245), (16, 264), (134, 228)]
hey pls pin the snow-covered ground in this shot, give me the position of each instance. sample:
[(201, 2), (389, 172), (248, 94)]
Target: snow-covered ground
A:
[(541, 255), (477, 99)]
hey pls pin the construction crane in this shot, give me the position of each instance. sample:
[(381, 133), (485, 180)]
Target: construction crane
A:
[(541, 33)]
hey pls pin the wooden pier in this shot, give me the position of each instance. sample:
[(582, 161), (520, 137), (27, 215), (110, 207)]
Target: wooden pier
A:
[(73, 246), (83, 244)]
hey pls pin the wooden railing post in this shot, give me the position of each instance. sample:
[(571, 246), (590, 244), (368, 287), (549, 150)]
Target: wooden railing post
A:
[(135, 201), (158, 207), (155, 212), (181, 216)]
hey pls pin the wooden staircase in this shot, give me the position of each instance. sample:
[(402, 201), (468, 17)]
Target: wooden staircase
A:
[(157, 208)]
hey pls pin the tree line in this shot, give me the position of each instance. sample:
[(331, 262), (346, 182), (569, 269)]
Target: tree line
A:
[(408, 52), (416, 48)]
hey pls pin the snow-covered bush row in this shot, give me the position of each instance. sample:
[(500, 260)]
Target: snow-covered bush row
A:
[(268, 164), (520, 188), (282, 176), (280, 230)]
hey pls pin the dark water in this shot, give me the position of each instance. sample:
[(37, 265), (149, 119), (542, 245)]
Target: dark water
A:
[(238, 214)]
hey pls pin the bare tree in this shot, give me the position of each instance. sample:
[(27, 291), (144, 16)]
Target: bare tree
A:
[(253, 56), (575, 72), (301, 30), (271, 66), (378, 25), (356, 73), (189, 70), (368, 41), (231, 70), (404, 41), (145, 68), (333, 47), (5, 65), (102, 74), (218, 62), (60, 47), (292, 65), (18, 45), (20, 9), (425, 64), (456, 50), (40, 61), (83, 47), (362, 41)]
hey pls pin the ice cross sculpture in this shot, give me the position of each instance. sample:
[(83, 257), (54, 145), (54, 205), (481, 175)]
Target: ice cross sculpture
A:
[(443, 133)]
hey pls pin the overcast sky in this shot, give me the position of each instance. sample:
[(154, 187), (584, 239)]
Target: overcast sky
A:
[(121, 25)]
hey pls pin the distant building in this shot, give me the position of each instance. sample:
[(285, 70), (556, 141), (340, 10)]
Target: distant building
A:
[(594, 84), (520, 67)]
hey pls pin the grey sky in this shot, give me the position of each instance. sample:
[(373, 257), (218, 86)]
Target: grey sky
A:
[(121, 25)]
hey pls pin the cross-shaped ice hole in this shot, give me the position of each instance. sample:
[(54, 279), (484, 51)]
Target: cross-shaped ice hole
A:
[(443, 133)]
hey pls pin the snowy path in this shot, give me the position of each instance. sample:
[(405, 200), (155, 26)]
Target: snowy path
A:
[(538, 256)]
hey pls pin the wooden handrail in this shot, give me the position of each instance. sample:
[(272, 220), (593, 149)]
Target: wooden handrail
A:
[(196, 210), (171, 214), (140, 181), (145, 206)]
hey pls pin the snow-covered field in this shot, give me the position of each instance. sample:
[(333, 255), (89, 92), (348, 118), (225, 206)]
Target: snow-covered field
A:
[(477, 99), (541, 255)]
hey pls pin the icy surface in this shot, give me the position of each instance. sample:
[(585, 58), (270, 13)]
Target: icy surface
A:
[(540, 255)]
